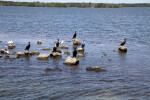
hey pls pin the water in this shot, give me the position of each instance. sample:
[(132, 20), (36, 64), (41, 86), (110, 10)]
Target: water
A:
[(127, 75)]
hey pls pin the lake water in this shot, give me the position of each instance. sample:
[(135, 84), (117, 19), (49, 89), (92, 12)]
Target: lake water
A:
[(127, 76)]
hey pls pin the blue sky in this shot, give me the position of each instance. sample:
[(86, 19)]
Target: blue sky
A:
[(93, 1)]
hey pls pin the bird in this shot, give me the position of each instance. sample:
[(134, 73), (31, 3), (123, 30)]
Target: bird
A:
[(28, 46), (54, 49), (74, 36), (10, 42), (83, 44), (61, 42), (75, 52), (5, 46), (57, 43), (123, 42)]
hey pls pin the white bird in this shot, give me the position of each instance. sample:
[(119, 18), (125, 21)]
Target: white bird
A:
[(5, 46), (7, 52), (10, 42), (61, 42)]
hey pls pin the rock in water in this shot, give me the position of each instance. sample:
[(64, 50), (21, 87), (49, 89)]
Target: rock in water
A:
[(122, 49), (80, 50), (76, 42), (39, 42), (43, 57), (97, 68), (19, 54), (80, 55), (47, 69), (46, 48), (63, 47), (71, 61), (2, 51), (68, 53), (10, 46), (55, 55), (35, 53), (28, 53)]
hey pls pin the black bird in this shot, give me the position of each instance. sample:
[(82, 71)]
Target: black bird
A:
[(123, 42), (83, 44), (75, 52), (28, 47), (57, 44), (74, 36), (54, 49)]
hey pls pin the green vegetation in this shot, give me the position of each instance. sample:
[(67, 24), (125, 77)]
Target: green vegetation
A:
[(80, 5)]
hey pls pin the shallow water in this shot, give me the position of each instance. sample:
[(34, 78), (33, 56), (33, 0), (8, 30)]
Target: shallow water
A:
[(127, 75)]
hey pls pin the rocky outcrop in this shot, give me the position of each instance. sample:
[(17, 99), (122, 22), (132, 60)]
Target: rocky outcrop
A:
[(28, 53), (39, 42), (43, 57), (63, 47), (47, 48), (80, 50), (35, 53), (76, 42), (71, 61), (122, 49), (68, 53), (19, 54), (2, 51), (58, 50), (10, 46), (97, 68), (55, 55), (80, 55)]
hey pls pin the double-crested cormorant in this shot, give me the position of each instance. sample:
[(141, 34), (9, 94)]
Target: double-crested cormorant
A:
[(123, 42), (75, 52), (74, 36), (28, 46), (54, 49), (83, 44), (57, 43)]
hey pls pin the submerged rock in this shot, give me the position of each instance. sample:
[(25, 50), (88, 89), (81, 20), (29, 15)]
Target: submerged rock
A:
[(80, 55), (57, 68), (80, 50), (55, 55), (76, 42), (35, 53), (122, 49), (68, 53), (46, 48), (47, 69), (43, 57), (63, 47), (6, 57), (10, 46), (97, 68), (71, 61), (1, 56), (19, 54), (39, 42), (67, 41)]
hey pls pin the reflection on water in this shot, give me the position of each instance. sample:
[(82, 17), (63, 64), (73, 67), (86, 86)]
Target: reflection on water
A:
[(127, 75)]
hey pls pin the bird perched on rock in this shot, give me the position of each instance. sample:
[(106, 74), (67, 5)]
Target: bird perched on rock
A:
[(57, 43), (123, 42), (75, 52), (83, 44), (28, 46), (10, 42), (74, 36)]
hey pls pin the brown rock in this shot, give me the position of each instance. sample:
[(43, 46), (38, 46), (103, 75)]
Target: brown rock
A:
[(39, 42), (55, 55), (80, 50), (71, 61), (46, 49), (47, 69), (122, 49), (1, 56), (76, 42), (43, 57), (35, 52), (67, 41), (10, 46), (59, 51), (80, 55), (97, 68), (63, 47), (19, 54), (28, 53), (6, 57), (68, 53), (2, 51), (57, 68)]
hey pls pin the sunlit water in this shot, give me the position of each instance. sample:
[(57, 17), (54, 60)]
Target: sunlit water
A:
[(127, 76)]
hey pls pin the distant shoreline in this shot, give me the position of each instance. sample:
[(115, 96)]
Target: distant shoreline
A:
[(79, 5)]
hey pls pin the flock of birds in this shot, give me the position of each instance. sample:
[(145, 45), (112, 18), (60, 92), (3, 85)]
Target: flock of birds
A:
[(57, 45)]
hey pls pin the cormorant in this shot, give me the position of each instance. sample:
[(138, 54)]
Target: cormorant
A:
[(54, 49), (83, 44), (74, 36), (57, 44), (123, 42), (28, 46), (75, 52)]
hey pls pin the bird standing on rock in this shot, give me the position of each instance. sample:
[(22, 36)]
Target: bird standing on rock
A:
[(75, 52), (57, 43), (74, 36), (83, 44), (28, 46), (122, 44)]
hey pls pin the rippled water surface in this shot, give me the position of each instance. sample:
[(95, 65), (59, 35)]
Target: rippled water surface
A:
[(127, 76)]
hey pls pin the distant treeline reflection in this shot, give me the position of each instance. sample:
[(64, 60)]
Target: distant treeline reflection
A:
[(80, 5)]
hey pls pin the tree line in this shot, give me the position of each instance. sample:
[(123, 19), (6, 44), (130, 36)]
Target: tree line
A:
[(80, 5)]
